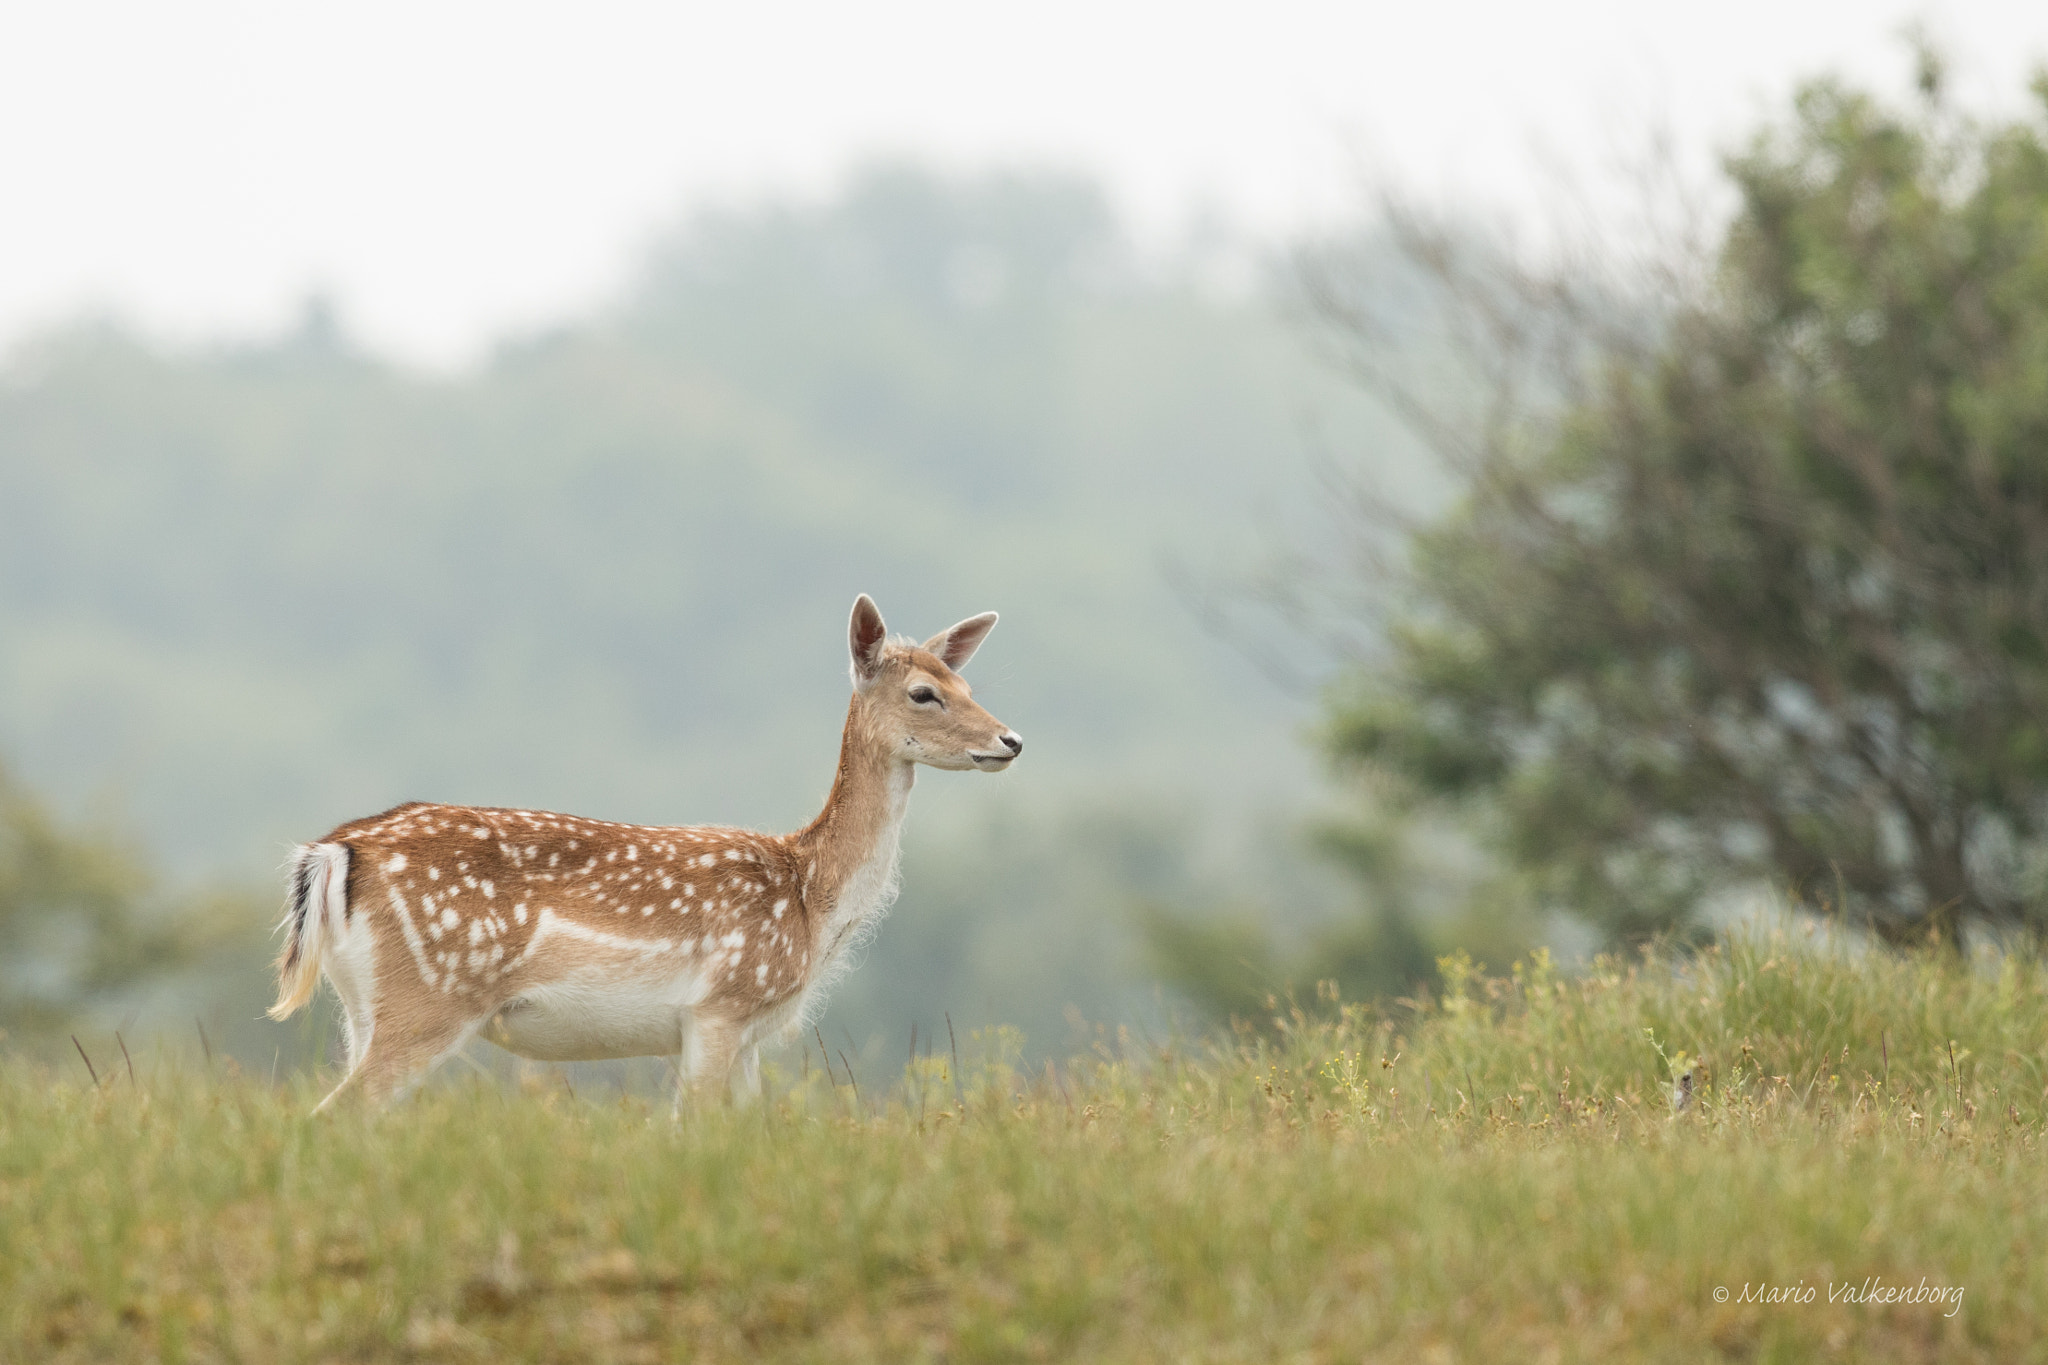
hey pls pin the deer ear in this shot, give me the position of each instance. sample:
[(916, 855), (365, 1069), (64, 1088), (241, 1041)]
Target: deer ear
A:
[(864, 636), (957, 646)]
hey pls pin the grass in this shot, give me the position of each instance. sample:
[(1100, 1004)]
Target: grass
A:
[(1496, 1175)]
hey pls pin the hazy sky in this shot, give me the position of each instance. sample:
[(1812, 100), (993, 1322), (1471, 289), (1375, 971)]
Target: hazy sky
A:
[(451, 170)]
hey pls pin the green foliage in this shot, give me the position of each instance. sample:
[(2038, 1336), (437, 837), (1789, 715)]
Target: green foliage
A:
[(1404, 894), (1230, 968), (1496, 1175), (1762, 1020), (78, 923), (1756, 589), (1225, 965)]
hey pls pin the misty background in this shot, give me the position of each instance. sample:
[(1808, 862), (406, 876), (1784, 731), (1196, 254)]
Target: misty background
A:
[(439, 455), (256, 589)]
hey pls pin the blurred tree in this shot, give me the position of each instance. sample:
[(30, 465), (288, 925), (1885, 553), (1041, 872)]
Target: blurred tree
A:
[(74, 924), (1229, 966), (1750, 585), (1415, 894)]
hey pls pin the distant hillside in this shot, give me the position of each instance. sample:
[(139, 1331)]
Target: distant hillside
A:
[(249, 593)]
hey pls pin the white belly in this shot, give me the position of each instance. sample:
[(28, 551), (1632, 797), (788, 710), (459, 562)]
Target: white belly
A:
[(591, 1018)]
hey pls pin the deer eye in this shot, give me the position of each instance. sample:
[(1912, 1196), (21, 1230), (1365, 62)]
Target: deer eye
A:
[(923, 696)]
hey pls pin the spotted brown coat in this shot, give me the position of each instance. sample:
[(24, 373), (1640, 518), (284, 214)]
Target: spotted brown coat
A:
[(562, 938)]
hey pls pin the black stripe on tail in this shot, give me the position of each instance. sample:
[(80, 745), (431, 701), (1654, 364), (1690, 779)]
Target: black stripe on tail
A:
[(302, 895)]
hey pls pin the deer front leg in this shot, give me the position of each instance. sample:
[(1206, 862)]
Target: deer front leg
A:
[(709, 1048), (746, 1077)]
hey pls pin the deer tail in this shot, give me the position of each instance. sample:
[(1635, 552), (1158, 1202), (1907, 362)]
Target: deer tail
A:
[(319, 898)]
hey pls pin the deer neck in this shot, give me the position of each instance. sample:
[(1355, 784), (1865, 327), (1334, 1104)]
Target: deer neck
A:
[(849, 852)]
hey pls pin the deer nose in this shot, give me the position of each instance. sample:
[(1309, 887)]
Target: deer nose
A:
[(1014, 743)]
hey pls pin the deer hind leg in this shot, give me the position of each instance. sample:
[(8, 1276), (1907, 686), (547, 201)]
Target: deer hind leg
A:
[(358, 1026), (350, 970), (394, 1060)]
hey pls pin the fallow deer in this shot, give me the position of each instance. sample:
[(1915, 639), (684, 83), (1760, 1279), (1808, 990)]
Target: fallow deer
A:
[(562, 938)]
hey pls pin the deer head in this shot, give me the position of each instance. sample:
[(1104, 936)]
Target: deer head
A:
[(913, 699)]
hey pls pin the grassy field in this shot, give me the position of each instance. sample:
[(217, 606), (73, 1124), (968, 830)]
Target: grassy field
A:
[(1496, 1175)]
